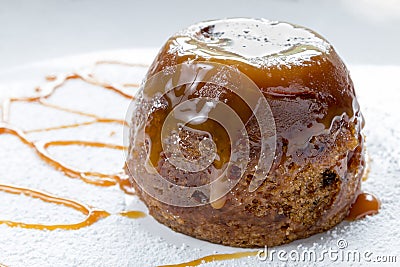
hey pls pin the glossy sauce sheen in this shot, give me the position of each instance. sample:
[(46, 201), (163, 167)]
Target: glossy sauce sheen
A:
[(360, 208), (365, 204)]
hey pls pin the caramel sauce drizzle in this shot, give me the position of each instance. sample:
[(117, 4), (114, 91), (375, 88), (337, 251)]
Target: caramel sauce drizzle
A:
[(214, 257), (92, 214), (95, 117), (41, 149), (74, 125), (116, 62), (133, 214)]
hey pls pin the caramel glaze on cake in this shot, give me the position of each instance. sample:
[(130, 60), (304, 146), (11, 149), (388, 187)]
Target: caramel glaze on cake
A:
[(319, 162)]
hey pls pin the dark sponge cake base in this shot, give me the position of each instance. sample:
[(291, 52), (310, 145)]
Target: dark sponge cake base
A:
[(322, 190), (318, 162)]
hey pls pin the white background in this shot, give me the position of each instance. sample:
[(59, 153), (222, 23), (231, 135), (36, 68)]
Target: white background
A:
[(362, 31)]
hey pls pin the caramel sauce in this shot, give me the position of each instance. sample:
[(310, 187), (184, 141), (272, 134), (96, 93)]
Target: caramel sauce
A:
[(214, 257), (41, 149), (133, 214), (365, 204), (74, 125), (92, 214)]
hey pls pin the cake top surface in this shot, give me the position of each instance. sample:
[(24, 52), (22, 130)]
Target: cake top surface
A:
[(255, 41)]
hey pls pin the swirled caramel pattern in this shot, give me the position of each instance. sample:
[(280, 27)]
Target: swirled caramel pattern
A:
[(41, 147)]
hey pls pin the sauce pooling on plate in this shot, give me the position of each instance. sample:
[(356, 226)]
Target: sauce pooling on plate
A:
[(365, 204)]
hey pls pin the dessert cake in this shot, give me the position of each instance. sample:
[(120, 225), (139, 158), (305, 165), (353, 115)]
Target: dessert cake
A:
[(314, 159)]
